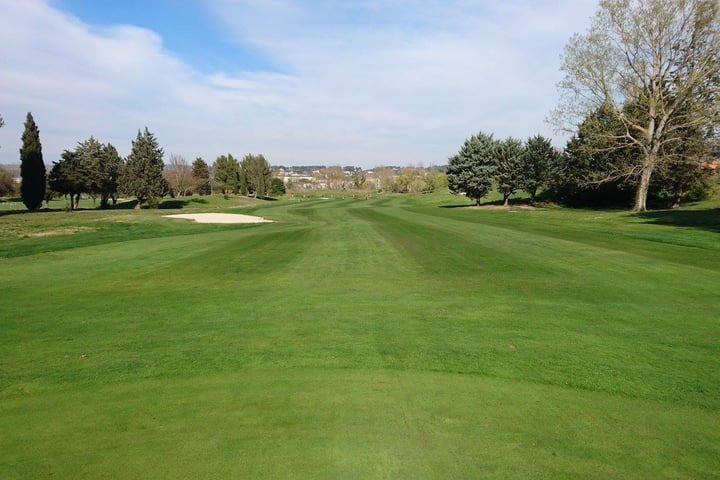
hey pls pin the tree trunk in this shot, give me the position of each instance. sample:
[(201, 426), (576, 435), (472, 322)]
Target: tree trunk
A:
[(506, 199), (533, 192), (678, 198), (642, 188)]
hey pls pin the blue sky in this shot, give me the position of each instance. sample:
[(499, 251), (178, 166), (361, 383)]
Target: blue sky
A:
[(353, 82)]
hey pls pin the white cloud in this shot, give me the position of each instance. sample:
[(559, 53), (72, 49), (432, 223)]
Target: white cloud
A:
[(360, 82)]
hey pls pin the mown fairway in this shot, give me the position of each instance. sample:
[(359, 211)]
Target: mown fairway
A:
[(387, 338)]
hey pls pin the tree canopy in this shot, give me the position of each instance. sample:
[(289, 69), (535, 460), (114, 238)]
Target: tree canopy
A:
[(661, 58), (227, 173), (142, 175), (92, 168), (32, 167), (508, 157), (538, 160), (257, 175), (201, 177), (471, 170)]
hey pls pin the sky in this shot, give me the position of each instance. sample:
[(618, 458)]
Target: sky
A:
[(304, 82)]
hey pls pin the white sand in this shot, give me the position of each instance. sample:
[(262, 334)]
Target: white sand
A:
[(219, 218)]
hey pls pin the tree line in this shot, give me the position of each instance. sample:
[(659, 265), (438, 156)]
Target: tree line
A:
[(484, 163), (579, 175), (640, 97), (97, 170), (641, 91)]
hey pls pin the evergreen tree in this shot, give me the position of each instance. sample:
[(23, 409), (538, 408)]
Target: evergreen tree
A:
[(32, 167), (201, 176), (663, 56), (106, 174), (227, 173), (255, 172), (69, 177), (277, 187), (142, 175), (508, 161), (591, 171), (89, 154), (537, 162), (472, 169)]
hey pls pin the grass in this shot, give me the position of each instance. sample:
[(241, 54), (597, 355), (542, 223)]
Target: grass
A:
[(384, 338)]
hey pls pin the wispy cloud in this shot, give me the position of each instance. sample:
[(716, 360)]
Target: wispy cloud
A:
[(357, 82)]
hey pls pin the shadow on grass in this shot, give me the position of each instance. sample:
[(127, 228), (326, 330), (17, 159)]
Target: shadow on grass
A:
[(177, 203), (708, 219), (520, 202), (24, 212), (462, 205)]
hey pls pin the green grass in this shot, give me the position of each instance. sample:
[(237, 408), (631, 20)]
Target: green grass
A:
[(386, 338)]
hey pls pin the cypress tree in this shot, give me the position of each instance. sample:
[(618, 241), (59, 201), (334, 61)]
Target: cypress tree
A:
[(143, 173), (32, 168)]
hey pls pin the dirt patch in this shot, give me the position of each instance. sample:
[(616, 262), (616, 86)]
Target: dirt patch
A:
[(60, 231), (500, 207), (219, 218)]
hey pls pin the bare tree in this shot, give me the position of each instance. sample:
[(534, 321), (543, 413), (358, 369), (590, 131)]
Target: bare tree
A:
[(179, 175), (335, 177), (656, 64), (384, 178), (359, 177)]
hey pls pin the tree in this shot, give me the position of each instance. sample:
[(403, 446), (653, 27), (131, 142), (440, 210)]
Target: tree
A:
[(256, 172), (384, 178), (32, 167), (200, 177), (335, 176), (92, 168), (583, 174), (68, 177), (179, 175), (537, 162), (277, 187), (101, 166), (142, 175), (227, 173), (359, 177), (472, 169), (681, 176), (106, 175), (662, 56), (508, 163), (7, 185)]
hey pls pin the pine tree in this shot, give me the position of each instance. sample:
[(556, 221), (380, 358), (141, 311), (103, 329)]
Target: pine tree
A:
[(142, 176), (256, 174), (227, 173), (69, 177), (201, 176), (537, 162), (471, 171), (104, 168), (508, 158), (32, 168)]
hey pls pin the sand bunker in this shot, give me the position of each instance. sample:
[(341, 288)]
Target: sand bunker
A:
[(219, 218)]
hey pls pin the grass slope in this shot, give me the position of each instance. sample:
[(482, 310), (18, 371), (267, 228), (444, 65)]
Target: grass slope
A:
[(388, 338)]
